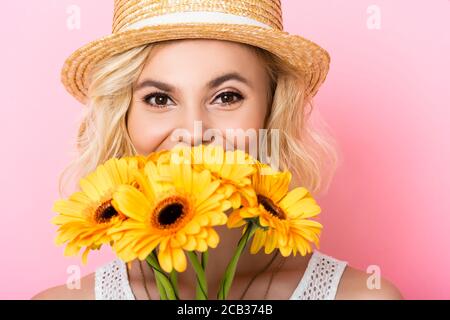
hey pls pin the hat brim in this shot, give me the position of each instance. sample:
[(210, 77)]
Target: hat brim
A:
[(309, 58)]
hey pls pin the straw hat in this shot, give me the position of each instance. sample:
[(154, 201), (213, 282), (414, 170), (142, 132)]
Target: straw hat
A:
[(255, 22)]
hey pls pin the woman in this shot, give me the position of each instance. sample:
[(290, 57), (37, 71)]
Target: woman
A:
[(167, 67)]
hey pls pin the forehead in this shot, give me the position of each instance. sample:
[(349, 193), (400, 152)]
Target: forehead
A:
[(202, 58)]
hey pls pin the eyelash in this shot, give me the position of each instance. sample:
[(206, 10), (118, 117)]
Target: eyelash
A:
[(162, 94)]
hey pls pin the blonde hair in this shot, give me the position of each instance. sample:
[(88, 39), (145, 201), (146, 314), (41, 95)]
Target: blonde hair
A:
[(309, 152)]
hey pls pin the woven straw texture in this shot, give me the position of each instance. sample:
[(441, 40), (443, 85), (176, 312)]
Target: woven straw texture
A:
[(308, 58)]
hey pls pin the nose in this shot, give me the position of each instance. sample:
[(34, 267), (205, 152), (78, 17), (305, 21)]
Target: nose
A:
[(191, 128), (192, 138), (195, 142)]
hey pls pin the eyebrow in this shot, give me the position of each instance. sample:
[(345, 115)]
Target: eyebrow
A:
[(214, 83)]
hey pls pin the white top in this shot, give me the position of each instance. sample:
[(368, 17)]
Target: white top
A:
[(320, 281)]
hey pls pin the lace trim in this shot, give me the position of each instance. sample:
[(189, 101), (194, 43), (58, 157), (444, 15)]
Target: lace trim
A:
[(111, 282), (321, 278), (320, 281)]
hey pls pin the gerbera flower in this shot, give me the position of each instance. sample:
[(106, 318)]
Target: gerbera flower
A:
[(87, 215), (176, 211), (233, 168), (284, 215)]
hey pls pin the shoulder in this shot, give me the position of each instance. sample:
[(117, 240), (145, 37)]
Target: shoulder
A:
[(354, 285), (62, 292)]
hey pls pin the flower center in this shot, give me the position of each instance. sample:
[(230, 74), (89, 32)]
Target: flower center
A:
[(169, 213), (270, 207), (105, 212)]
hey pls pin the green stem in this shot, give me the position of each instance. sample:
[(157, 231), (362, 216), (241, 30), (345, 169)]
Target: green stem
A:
[(174, 281), (205, 256), (204, 262), (162, 278), (202, 286), (161, 289), (228, 277)]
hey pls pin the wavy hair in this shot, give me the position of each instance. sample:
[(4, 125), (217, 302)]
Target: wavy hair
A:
[(305, 148)]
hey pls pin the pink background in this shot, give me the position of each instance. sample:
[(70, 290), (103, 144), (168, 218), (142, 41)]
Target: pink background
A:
[(386, 99)]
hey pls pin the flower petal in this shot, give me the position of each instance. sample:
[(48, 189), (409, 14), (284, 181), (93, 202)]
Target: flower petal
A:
[(165, 260), (293, 197), (131, 202), (179, 260)]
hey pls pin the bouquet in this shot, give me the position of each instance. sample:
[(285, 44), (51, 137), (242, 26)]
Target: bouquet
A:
[(165, 208)]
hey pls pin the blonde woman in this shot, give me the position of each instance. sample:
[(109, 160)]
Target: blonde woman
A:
[(167, 67)]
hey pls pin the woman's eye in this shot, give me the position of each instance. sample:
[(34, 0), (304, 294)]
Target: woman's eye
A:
[(161, 100), (228, 98), (157, 100)]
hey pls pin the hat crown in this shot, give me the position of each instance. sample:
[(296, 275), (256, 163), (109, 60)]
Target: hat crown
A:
[(133, 13)]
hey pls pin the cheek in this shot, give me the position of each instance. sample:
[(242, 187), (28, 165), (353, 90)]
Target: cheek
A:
[(249, 116), (145, 132)]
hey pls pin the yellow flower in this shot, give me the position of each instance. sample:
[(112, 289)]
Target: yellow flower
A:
[(233, 168), (86, 216), (162, 156), (284, 215), (175, 210)]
